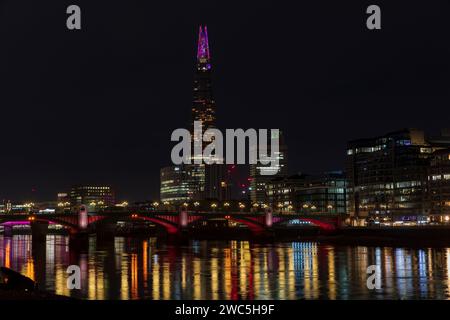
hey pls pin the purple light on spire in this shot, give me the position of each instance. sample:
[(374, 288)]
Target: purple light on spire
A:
[(203, 45)]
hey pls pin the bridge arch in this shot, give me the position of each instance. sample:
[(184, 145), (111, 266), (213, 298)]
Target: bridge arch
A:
[(29, 220), (255, 225), (322, 224), (170, 227)]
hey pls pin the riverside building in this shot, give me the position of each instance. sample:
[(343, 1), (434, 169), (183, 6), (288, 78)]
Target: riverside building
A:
[(388, 177)]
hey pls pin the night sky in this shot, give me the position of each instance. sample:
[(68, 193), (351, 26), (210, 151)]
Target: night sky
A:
[(98, 105)]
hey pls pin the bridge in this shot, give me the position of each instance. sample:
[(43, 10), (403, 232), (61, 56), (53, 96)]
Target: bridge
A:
[(174, 223)]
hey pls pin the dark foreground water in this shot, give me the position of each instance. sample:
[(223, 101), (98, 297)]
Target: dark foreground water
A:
[(128, 268)]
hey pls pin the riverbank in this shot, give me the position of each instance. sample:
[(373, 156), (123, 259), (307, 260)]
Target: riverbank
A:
[(16, 286)]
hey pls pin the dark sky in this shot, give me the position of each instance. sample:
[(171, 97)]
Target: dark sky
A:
[(99, 105)]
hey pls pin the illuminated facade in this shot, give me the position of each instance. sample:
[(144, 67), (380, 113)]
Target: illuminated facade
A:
[(8, 207), (388, 175), (204, 106), (439, 186), (175, 185), (63, 202), (261, 175), (309, 194), (95, 197)]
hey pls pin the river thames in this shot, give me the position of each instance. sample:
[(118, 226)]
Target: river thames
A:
[(148, 268)]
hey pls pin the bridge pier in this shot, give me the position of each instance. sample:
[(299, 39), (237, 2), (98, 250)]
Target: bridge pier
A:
[(79, 237), (39, 230), (183, 219), (83, 217), (182, 235), (269, 217), (39, 254)]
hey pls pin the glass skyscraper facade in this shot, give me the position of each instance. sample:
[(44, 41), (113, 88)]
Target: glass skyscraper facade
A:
[(175, 185)]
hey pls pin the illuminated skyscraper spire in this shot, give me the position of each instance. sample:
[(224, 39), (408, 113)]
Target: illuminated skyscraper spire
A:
[(203, 56), (204, 106)]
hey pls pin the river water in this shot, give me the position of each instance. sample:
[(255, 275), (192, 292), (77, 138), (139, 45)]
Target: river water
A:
[(148, 268)]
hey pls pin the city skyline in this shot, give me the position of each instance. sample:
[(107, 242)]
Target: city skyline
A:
[(224, 158), (110, 122)]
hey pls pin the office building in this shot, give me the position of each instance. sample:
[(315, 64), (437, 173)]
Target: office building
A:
[(439, 186), (309, 194), (388, 175), (94, 197), (175, 185)]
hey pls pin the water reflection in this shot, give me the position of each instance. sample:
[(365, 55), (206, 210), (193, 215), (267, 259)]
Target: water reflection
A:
[(128, 268)]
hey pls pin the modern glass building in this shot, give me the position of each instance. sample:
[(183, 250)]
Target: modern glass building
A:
[(388, 175), (175, 185)]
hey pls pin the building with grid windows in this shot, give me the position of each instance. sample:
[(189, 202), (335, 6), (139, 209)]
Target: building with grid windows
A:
[(439, 186), (388, 175), (309, 194), (94, 197), (175, 185)]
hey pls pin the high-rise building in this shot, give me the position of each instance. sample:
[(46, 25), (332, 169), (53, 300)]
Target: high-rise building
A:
[(175, 185), (207, 180), (94, 197), (204, 106), (309, 194), (388, 175), (198, 181), (262, 174)]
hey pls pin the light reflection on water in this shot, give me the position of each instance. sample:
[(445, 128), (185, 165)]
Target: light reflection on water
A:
[(129, 268)]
